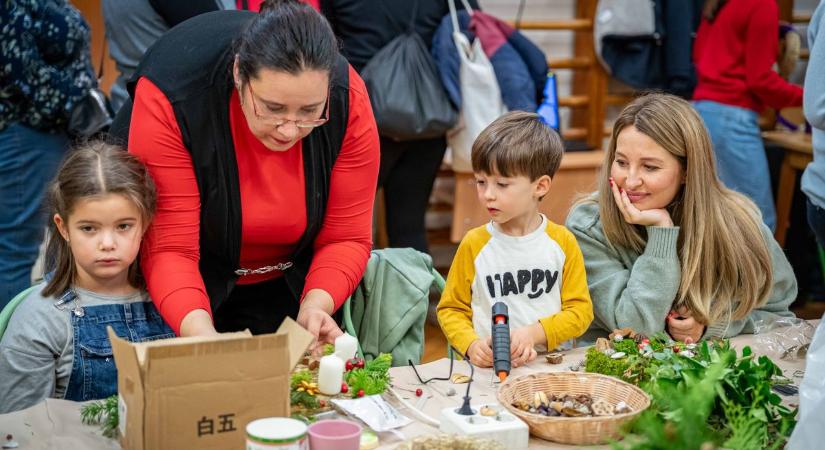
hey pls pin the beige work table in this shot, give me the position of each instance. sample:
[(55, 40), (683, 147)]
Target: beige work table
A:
[(55, 424)]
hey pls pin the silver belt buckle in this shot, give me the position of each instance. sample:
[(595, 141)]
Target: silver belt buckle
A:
[(265, 269)]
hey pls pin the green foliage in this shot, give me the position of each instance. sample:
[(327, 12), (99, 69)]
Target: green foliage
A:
[(103, 413), (711, 399), (302, 398), (329, 349), (748, 432), (380, 364), (298, 376), (678, 417), (628, 346), (373, 378), (598, 362)]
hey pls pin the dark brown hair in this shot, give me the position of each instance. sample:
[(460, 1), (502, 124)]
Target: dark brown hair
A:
[(518, 143), (93, 169), (287, 36)]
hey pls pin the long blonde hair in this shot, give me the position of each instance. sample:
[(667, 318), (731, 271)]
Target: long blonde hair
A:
[(726, 265)]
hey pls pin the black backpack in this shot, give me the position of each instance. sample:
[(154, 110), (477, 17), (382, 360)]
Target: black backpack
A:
[(408, 99)]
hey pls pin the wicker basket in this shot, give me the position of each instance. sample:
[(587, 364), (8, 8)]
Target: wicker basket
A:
[(574, 430)]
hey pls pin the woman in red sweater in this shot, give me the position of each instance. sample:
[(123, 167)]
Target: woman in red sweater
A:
[(264, 149), (735, 49)]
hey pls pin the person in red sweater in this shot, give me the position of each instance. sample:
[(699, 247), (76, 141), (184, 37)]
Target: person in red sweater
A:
[(265, 152), (734, 52)]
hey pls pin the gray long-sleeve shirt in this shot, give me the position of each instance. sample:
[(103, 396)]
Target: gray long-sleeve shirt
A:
[(37, 349), (635, 290), (813, 98)]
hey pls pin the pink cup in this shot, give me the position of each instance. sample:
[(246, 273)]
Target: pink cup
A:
[(334, 434)]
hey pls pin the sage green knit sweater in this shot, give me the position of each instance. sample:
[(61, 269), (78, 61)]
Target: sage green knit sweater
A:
[(635, 290)]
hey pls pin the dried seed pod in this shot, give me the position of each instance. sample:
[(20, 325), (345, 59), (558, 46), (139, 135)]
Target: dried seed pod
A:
[(554, 358), (543, 398), (487, 411), (536, 400), (584, 398), (603, 344), (601, 407), (622, 408), (572, 412), (521, 404), (459, 378)]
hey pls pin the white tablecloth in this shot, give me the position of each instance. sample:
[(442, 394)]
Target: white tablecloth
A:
[(55, 424)]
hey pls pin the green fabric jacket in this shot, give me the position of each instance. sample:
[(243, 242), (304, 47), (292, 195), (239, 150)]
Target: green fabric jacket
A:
[(389, 306)]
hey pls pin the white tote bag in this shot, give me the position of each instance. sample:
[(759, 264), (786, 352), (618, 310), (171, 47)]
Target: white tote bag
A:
[(481, 101)]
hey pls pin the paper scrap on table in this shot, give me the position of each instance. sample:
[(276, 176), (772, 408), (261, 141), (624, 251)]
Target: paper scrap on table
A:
[(374, 411)]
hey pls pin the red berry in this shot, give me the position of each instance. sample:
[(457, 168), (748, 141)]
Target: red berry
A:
[(348, 366), (419, 392), (677, 349), (322, 403), (360, 392), (359, 363), (344, 388)]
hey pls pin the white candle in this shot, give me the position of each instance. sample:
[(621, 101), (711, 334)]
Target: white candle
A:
[(330, 374), (345, 346)]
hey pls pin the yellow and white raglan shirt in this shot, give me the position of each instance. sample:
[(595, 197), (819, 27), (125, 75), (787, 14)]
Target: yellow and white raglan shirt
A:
[(540, 277)]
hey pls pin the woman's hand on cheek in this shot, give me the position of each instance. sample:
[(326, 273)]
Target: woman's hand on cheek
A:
[(634, 216), (683, 327)]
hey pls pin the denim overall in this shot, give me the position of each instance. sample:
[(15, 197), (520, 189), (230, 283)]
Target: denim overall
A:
[(94, 375)]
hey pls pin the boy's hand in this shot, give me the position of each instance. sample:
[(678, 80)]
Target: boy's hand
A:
[(522, 343), (480, 353)]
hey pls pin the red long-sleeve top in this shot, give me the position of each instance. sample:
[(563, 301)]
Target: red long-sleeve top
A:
[(273, 204), (734, 56)]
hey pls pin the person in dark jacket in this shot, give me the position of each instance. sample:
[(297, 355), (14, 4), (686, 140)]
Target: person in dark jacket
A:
[(45, 71), (408, 168), (132, 26), (264, 149)]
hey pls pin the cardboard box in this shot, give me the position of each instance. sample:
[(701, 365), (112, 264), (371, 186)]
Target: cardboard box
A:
[(188, 393)]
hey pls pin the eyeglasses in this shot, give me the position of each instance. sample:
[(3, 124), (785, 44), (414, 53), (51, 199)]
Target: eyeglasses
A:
[(278, 121)]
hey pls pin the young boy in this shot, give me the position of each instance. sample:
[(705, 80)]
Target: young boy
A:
[(520, 258)]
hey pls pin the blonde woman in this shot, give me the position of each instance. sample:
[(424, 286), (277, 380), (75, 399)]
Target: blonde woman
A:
[(666, 246)]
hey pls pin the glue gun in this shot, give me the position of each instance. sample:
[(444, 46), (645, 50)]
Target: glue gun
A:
[(501, 340)]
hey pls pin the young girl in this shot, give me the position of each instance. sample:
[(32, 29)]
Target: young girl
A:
[(665, 245), (56, 343)]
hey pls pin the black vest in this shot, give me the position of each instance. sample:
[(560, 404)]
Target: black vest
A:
[(192, 65)]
